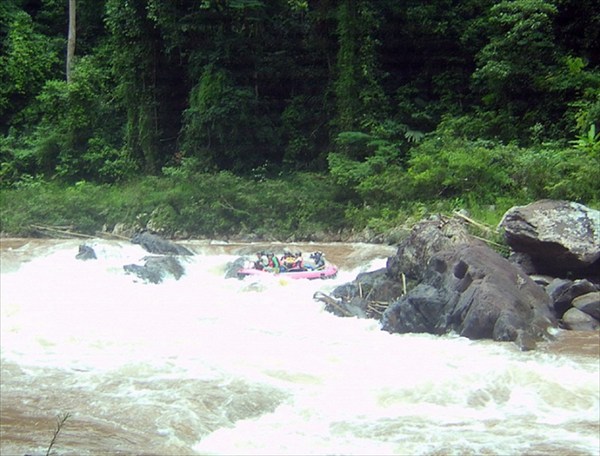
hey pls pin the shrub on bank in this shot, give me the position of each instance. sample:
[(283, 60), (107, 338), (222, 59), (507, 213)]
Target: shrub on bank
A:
[(197, 204)]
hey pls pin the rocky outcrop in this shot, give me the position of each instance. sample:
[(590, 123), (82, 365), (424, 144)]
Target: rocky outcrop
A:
[(155, 244), (472, 290), (443, 280), (559, 237), (156, 269)]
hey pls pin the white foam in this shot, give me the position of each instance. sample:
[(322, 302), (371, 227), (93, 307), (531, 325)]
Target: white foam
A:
[(346, 387)]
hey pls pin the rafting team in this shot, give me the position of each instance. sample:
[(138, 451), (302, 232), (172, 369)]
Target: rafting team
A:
[(288, 262)]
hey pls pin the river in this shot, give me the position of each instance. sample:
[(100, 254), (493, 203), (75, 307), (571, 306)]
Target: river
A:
[(212, 366)]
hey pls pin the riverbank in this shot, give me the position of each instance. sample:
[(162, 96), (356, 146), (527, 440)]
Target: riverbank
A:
[(299, 207)]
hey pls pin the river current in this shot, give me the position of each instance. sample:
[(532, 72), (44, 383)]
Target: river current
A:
[(213, 366)]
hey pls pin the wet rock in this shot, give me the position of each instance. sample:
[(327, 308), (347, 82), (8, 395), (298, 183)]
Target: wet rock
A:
[(232, 268), (523, 260), (340, 307), (157, 245), (577, 320), (589, 303), (562, 292), (425, 239), (368, 295), (86, 253), (472, 290), (561, 237), (156, 269)]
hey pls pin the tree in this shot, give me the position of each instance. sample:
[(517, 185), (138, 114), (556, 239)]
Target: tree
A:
[(71, 40), (514, 63)]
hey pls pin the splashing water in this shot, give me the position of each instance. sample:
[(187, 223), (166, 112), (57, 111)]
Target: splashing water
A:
[(207, 365)]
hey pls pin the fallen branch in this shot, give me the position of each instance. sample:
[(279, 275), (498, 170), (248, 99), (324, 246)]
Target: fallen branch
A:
[(60, 421), (488, 241), (320, 296), (61, 230), (104, 234), (475, 223)]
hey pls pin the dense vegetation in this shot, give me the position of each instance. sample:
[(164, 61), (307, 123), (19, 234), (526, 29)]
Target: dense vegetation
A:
[(280, 117)]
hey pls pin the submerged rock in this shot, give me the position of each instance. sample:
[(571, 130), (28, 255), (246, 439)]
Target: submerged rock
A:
[(367, 296), (156, 269), (232, 268), (86, 253)]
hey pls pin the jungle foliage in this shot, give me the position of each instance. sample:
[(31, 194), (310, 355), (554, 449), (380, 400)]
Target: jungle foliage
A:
[(333, 113)]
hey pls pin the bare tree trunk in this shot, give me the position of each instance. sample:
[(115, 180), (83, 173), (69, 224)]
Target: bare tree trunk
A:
[(72, 38)]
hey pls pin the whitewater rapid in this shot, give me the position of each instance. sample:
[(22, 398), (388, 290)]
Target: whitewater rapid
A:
[(208, 365)]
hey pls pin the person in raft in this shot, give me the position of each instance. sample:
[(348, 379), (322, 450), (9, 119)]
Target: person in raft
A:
[(273, 264), (319, 260), (297, 262), (287, 260), (261, 260)]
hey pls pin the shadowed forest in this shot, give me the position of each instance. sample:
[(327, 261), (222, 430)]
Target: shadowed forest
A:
[(294, 118)]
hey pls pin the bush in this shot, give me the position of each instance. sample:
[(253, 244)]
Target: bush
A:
[(447, 167), (199, 204)]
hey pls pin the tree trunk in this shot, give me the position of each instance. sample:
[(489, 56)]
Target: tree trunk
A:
[(71, 38)]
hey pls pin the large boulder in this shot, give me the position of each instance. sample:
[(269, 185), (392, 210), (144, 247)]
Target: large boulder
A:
[(472, 290), (425, 239), (155, 244), (560, 237)]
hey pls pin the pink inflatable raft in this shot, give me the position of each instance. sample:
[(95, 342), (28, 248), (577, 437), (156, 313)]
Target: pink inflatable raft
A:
[(315, 268), (328, 272)]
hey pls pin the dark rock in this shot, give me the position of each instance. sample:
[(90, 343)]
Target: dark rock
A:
[(561, 237), (368, 295), (232, 268), (525, 341), (427, 238), (340, 307), (86, 253), (472, 290), (562, 292), (157, 245), (589, 303), (156, 269), (524, 261), (577, 320), (418, 311)]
